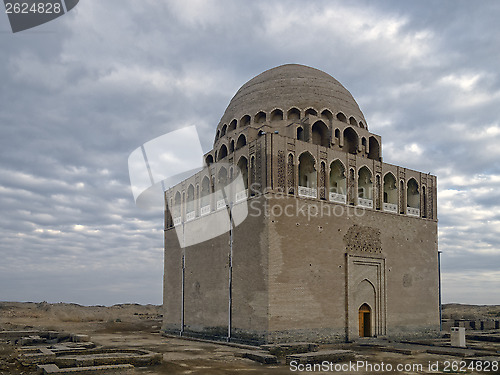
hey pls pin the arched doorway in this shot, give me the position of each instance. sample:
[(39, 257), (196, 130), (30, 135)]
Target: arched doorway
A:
[(365, 321)]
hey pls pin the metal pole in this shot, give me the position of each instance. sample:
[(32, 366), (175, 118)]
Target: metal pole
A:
[(230, 307), (165, 228), (183, 281), (440, 304)]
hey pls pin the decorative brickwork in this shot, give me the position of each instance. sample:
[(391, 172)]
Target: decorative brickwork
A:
[(322, 179), (377, 192), (351, 190), (281, 170), (364, 239), (430, 198), (290, 175), (252, 173), (259, 172), (402, 205)]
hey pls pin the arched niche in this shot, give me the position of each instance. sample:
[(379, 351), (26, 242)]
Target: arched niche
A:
[(293, 114), (242, 141), (245, 121), (222, 152), (351, 141), (205, 194), (190, 207), (277, 115), (320, 134), (307, 175), (365, 187), (243, 169), (412, 198), (390, 193), (338, 182), (374, 148)]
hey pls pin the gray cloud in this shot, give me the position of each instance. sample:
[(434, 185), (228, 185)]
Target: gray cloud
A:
[(80, 93)]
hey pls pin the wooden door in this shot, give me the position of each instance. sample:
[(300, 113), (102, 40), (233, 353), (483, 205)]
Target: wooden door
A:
[(365, 323)]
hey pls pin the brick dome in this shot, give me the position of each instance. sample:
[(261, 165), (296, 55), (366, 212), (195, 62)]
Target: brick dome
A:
[(292, 86)]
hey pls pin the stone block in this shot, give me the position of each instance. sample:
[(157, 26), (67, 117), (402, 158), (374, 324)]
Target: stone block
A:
[(80, 338), (13, 335), (392, 349), (446, 325), (488, 325), (48, 369), (30, 340), (290, 348), (261, 357), (84, 361), (90, 370)]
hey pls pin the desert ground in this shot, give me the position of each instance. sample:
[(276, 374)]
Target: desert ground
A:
[(137, 326)]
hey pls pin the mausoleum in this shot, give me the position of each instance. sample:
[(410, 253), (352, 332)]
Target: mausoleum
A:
[(335, 244)]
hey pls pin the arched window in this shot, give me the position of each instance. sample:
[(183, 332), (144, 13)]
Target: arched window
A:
[(223, 130), (365, 187), (277, 115), (352, 121), (217, 136), (232, 125), (307, 175), (424, 202), (374, 149), (231, 146), (338, 188), (390, 193), (363, 142), (311, 112), (242, 141), (243, 169), (300, 133), (351, 141), (177, 208), (341, 117), (260, 118), (412, 198), (222, 178), (337, 134), (205, 196), (320, 134), (293, 114), (245, 121), (221, 184), (222, 152), (327, 115), (361, 125), (190, 203), (209, 160)]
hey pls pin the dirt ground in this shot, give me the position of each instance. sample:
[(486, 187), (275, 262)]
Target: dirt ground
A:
[(136, 326)]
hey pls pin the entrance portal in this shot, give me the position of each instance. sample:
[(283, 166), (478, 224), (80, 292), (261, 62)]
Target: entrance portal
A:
[(365, 323)]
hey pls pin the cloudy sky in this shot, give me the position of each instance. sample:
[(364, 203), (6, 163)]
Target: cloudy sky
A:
[(80, 93)]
